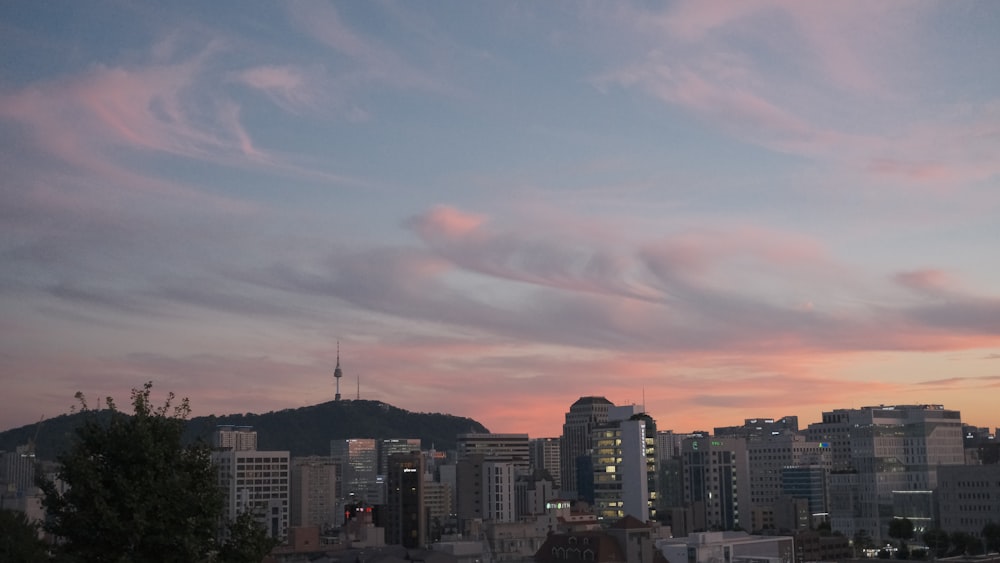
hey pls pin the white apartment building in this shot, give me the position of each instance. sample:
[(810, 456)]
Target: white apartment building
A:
[(259, 482), (499, 502)]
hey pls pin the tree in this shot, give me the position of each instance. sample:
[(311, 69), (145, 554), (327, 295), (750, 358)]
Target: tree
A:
[(248, 541), (862, 541), (133, 490), (991, 536), (964, 543), (901, 529), (19, 539), (937, 541)]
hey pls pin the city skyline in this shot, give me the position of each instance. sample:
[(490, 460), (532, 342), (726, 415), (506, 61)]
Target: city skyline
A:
[(719, 211)]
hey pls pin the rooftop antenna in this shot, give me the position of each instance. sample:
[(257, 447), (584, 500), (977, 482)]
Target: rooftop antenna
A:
[(359, 386), (338, 373)]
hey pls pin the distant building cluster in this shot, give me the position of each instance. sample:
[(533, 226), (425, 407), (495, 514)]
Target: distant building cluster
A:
[(613, 487)]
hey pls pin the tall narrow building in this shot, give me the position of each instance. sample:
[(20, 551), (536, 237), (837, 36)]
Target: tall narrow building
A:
[(716, 482), (625, 465), (313, 495), (406, 519), (545, 456), (584, 415)]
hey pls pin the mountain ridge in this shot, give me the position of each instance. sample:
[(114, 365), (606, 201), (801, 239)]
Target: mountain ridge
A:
[(302, 431)]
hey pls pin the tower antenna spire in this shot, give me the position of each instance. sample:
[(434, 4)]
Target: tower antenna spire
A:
[(338, 373)]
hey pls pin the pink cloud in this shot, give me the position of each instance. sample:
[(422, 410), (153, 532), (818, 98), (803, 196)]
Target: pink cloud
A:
[(713, 59), (931, 281), (447, 222)]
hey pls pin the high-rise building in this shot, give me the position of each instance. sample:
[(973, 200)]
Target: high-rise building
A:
[(389, 446), (438, 503), (623, 457), (668, 444), (229, 437), (880, 453), (469, 489), (545, 455), (17, 470), (770, 454), (716, 480), (499, 501), (509, 448), (583, 416), (314, 492), (406, 519), (809, 482), (257, 482), (359, 469)]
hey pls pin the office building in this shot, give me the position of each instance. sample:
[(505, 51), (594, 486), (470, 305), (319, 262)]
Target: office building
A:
[(544, 455), (880, 452), (406, 519), (809, 482), (499, 500), (716, 483), (583, 416), (507, 448), (968, 497), (625, 463), (17, 471), (358, 458), (533, 492), (389, 446), (770, 454), (229, 437), (314, 492), (759, 428), (257, 482)]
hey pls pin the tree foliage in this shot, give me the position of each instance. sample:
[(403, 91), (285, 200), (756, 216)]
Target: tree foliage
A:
[(19, 539), (901, 528), (991, 536), (937, 541), (862, 540), (963, 543), (132, 491), (247, 541)]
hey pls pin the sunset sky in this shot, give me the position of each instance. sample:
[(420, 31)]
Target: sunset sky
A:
[(722, 210)]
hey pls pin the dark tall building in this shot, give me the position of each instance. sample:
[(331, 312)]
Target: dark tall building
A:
[(583, 416), (406, 519), (716, 475)]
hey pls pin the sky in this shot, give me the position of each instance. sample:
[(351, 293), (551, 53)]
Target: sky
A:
[(716, 210)]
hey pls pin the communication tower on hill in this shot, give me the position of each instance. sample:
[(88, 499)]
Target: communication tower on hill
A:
[(338, 373)]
